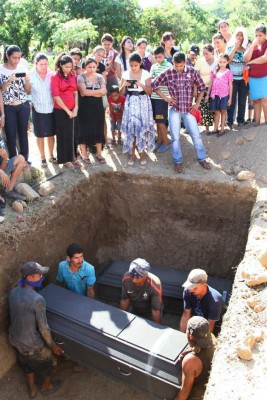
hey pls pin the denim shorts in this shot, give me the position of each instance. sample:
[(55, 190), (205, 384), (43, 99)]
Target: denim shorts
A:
[(116, 126), (10, 167), (160, 111)]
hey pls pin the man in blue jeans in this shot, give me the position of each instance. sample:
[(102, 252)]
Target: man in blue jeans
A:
[(180, 80)]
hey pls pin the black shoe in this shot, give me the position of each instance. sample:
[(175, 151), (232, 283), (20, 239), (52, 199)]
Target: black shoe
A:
[(14, 196)]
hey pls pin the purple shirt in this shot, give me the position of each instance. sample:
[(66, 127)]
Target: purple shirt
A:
[(180, 86)]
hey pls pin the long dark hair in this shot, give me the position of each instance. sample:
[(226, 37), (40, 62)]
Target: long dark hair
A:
[(123, 55), (62, 60), (167, 36), (223, 56), (9, 50)]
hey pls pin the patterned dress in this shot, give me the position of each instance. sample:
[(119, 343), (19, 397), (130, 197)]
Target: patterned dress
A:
[(137, 120)]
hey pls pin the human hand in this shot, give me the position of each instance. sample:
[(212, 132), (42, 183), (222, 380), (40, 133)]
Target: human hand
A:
[(10, 79), (2, 121), (4, 178), (3, 154), (229, 102), (255, 42), (170, 100), (207, 98), (74, 112), (57, 350), (70, 113), (194, 107), (27, 78)]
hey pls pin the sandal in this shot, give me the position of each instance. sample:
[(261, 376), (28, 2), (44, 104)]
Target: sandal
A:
[(53, 160), (212, 133), (43, 163), (219, 134), (69, 165), (86, 160), (101, 160)]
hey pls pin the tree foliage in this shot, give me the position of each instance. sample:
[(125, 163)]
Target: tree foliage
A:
[(25, 22), (75, 33)]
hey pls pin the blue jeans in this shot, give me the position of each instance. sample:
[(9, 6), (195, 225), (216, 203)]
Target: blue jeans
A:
[(240, 90), (16, 124), (190, 123)]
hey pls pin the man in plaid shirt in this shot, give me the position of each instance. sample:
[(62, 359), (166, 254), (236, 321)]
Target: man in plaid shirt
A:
[(180, 80)]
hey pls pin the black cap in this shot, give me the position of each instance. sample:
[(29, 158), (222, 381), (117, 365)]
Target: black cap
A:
[(199, 328), (32, 267), (194, 49)]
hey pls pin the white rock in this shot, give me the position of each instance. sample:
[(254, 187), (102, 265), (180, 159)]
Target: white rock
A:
[(226, 155), (239, 141), (2, 219), (250, 136), (46, 188), (245, 175)]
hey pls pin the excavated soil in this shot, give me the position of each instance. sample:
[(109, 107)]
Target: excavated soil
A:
[(197, 219)]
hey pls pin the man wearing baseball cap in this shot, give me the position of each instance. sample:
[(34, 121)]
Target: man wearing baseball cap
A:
[(192, 55), (29, 332), (200, 299), (142, 291), (196, 359)]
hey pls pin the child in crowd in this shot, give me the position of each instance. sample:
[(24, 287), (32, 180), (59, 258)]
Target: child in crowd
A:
[(137, 121), (116, 106), (220, 93), (160, 107)]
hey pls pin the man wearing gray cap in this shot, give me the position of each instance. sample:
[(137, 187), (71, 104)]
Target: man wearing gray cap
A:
[(196, 359), (29, 332), (200, 299), (142, 290)]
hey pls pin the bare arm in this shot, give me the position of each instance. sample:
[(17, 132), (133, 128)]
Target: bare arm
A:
[(90, 292), (248, 53), (212, 325), (230, 93), (95, 93), (125, 304), (260, 60), (184, 319), (61, 104), (170, 100), (75, 110), (156, 316), (118, 69), (2, 112), (191, 367), (27, 85), (147, 87), (123, 86)]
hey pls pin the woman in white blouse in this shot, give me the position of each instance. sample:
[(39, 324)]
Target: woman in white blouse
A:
[(122, 59)]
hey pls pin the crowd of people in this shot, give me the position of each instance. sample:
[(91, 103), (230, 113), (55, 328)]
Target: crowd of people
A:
[(31, 337), (145, 93)]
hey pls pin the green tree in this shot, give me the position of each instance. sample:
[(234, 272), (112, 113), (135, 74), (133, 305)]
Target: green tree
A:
[(75, 33)]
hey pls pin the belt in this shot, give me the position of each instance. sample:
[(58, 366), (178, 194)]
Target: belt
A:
[(16, 103), (136, 93)]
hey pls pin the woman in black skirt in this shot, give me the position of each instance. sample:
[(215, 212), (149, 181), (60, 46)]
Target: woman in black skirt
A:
[(64, 91), (92, 88)]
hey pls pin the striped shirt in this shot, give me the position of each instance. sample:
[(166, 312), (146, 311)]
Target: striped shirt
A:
[(180, 86), (156, 69), (42, 99)]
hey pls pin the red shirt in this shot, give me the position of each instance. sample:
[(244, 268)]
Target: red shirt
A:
[(116, 107), (64, 88), (258, 70)]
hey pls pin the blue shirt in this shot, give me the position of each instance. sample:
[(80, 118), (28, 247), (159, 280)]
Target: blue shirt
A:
[(76, 282), (209, 307)]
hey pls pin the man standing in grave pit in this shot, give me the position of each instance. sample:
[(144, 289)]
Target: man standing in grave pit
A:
[(75, 273), (142, 291), (200, 299)]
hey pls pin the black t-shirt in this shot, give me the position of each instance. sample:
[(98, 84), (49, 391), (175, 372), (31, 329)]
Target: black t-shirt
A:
[(100, 68), (143, 298)]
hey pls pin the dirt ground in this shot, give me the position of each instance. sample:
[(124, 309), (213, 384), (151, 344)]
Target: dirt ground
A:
[(237, 150)]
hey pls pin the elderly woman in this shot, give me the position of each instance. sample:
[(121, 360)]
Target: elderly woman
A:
[(91, 115), (15, 86), (256, 57), (236, 52), (64, 91), (122, 59), (204, 66), (42, 107)]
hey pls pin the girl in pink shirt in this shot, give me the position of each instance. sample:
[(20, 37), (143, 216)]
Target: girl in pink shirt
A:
[(220, 93)]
